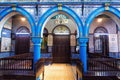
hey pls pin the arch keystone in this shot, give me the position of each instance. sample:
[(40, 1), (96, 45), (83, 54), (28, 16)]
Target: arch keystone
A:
[(14, 7), (59, 6), (107, 6)]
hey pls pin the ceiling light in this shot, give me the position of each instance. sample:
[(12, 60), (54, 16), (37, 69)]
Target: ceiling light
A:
[(23, 19), (99, 20)]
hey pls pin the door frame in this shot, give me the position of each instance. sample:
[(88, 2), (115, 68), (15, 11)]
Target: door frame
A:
[(17, 33), (61, 35)]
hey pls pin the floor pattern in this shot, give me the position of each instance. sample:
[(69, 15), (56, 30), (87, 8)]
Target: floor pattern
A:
[(58, 71)]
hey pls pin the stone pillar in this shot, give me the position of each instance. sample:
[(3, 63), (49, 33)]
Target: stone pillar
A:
[(37, 46), (83, 52)]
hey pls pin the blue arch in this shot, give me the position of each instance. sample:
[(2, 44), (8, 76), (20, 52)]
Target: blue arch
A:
[(23, 12), (55, 9), (95, 13)]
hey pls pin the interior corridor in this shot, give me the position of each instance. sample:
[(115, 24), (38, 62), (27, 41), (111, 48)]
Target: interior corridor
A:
[(59, 71)]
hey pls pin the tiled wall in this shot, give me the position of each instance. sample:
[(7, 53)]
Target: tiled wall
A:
[(6, 54)]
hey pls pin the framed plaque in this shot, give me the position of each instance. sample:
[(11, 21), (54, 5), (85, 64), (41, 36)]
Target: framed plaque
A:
[(113, 43)]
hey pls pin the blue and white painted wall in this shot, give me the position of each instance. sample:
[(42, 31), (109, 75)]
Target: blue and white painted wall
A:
[(38, 18)]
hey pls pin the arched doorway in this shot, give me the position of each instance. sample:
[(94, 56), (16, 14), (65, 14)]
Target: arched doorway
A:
[(11, 32), (61, 44), (109, 19), (22, 40), (102, 30), (9, 25), (101, 41), (74, 17)]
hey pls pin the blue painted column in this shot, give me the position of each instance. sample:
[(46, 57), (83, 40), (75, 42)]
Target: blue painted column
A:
[(83, 52), (37, 46)]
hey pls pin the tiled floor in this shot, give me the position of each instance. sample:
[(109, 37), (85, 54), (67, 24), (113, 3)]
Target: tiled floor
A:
[(58, 72)]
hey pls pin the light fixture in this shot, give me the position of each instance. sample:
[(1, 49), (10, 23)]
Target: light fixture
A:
[(22, 33), (99, 20), (23, 19)]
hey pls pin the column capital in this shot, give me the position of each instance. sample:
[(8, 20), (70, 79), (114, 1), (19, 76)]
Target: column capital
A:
[(36, 39), (83, 41)]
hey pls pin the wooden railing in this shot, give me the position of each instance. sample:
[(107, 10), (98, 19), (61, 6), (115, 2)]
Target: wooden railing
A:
[(18, 62), (22, 56), (39, 69), (103, 64), (96, 55), (79, 70)]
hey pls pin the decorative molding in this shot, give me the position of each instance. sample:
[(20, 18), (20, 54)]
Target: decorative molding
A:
[(40, 24), (79, 24), (36, 40), (14, 7), (83, 41), (72, 40), (107, 6), (59, 6), (45, 16), (8, 10), (53, 10), (50, 40), (86, 35), (32, 24)]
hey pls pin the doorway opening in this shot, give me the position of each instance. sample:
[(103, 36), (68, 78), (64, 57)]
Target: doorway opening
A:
[(101, 41), (61, 44), (23, 40)]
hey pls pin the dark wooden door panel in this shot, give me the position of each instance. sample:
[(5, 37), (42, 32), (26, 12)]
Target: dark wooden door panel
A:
[(22, 44), (61, 49)]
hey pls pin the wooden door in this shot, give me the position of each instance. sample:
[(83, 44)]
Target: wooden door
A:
[(105, 45), (22, 43), (61, 48)]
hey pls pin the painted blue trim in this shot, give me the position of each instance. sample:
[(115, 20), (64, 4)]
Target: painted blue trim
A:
[(95, 13), (83, 52), (52, 11), (64, 3), (24, 13)]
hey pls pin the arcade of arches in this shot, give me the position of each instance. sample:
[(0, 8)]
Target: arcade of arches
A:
[(61, 40)]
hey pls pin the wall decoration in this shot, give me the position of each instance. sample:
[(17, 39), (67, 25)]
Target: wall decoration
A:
[(119, 40), (5, 44), (60, 19), (50, 40), (6, 33), (91, 41), (72, 40), (18, 0), (8, 24), (113, 43), (61, 30), (6, 36)]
